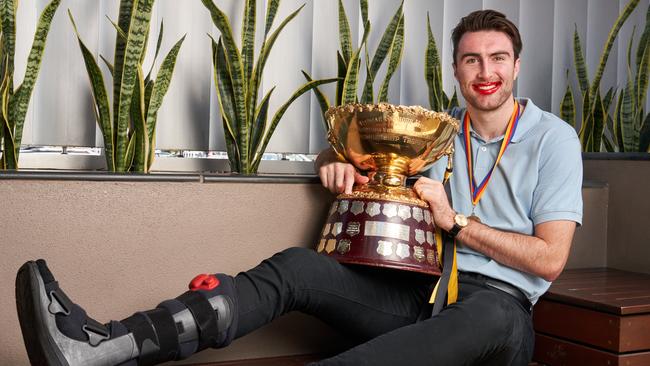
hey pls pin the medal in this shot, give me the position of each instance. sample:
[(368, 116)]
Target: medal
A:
[(477, 190)]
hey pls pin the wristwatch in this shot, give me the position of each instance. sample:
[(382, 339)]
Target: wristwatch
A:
[(460, 222)]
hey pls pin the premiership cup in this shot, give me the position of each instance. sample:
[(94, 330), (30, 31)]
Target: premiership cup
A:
[(384, 223)]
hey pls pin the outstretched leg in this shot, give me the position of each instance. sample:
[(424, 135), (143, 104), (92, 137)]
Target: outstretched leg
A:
[(58, 332)]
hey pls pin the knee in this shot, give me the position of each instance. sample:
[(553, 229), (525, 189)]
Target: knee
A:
[(303, 264)]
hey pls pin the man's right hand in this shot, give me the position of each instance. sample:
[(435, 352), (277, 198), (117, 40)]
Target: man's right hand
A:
[(336, 176)]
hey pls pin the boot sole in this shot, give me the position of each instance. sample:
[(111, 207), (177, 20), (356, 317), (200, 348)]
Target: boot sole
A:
[(30, 291)]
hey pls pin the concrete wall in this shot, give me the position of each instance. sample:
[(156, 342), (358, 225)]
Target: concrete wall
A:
[(119, 247), (628, 230)]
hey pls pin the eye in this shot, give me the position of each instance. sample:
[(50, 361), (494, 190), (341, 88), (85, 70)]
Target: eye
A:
[(471, 60), (499, 58)]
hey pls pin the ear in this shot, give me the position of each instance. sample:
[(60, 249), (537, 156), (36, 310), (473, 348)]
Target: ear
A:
[(454, 66), (517, 62)]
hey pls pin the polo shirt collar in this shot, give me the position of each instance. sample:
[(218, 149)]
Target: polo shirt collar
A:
[(527, 120)]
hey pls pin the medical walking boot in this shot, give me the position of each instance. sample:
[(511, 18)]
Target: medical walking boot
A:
[(57, 332)]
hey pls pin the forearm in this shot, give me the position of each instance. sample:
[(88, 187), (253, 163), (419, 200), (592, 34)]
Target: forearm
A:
[(526, 253)]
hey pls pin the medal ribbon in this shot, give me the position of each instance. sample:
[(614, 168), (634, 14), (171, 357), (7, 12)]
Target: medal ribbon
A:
[(478, 190)]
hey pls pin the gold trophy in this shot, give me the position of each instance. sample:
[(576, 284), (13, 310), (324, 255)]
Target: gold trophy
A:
[(384, 223)]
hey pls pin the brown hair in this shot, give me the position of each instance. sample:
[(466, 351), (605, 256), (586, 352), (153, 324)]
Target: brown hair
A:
[(486, 20)]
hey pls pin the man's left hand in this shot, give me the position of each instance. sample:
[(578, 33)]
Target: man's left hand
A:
[(434, 193)]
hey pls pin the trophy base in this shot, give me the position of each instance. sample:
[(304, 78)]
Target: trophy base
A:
[(381, 229)]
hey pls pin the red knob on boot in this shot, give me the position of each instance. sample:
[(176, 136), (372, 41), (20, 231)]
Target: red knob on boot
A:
[(204, 282)]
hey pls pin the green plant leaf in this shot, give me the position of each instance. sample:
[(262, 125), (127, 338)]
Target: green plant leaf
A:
[(453, 102), (368, 95), (581, 68), (386, 41), (267, 45), (567, 106), (351, 83), (395, 56), (643, 41), (127, 7), (271, 10), (225, 92), (8, 23), (342, 68), (344, 34), (100, 96), (586, 126), (137, 110), (163, 80), (233, 57), (120, 33), (599, 118), (155, 56), (136, 35), (260, 119), (19, 102), (610, 42), (641, 82), (363, 5), (431, 64), (323, 102), (248, 39), (259, 150), (644, 138), (626, 117), (108, 64), (607, 101), (130, 152), (617, 125)]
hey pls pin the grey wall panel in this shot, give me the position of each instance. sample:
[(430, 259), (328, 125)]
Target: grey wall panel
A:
[(536, 26)]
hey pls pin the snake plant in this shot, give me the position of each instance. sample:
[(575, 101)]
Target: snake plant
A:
[(16, 101), (595, 108), (349, 60), (438, 99), (237, 80), (129, 136)]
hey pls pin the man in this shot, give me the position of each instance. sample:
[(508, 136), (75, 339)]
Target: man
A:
[(524, 203)]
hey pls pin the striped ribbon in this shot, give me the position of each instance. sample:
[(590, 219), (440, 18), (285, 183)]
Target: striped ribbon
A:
[(478, 190)]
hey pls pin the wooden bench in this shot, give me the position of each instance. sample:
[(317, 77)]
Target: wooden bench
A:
[(594, 317)]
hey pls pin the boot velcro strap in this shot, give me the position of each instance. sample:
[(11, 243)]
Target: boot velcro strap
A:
[(143, 331), (167, 333), (204, 316)]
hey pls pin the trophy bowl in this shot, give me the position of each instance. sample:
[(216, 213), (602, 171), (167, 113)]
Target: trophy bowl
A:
[(384, 223)]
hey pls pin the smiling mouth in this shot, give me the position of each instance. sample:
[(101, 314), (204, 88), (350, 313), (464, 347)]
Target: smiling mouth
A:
[(486, 88)]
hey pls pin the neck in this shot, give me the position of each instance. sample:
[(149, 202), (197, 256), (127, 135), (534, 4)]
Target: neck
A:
[(491, 124)]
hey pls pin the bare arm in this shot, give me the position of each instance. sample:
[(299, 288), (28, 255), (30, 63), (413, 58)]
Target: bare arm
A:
[(336, 175), (543, 254)]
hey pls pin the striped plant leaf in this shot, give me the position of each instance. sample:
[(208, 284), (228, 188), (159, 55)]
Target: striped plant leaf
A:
[(220, 20), (342, 68), (134, 47), (585, 126), (160, 87), (394, 58), (267, 45), (8, 22), (580, 65), (363, 5), (259, 150), (137, 110), (155, 56), (368, 95), (100, 96), (130, 151), (645, 38), (644, 138), (610, 42), (607, 100), (225, 92), (345, 37), (261, 116), (431, 62), (271, 11), (629, 48), (453, 102), (248, 39), (120, 32), (323, 101), (616, 121), (19, 102), (599, 117), (349, 94), (127, 7), (386, 41), (108, 64), (567, 106), (626, 117), (641, 80)]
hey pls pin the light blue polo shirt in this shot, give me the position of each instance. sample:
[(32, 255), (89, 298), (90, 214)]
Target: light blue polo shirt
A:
[(538, 179)]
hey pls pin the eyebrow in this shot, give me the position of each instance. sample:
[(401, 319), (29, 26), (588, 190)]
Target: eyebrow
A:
[(474, 54)]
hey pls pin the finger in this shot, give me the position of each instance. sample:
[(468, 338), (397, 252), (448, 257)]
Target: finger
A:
[(339, 176), (360, 179), (322, 173)]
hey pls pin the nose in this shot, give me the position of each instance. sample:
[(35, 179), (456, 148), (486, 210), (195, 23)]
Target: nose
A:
[(484, 70)]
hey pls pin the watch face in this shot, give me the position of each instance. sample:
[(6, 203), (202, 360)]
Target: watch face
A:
[(461, 220)]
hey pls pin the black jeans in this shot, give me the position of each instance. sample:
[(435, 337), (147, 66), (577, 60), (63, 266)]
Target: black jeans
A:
[(380, 308)]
